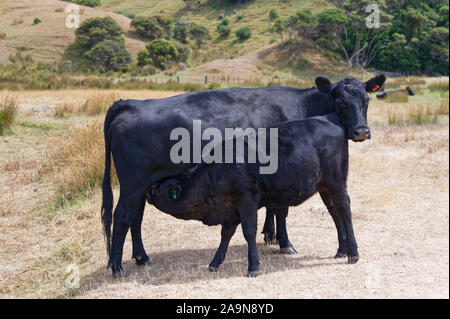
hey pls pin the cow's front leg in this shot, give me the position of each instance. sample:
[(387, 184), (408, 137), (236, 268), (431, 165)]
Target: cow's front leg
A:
[(282, 236), (247, 212), (226, 234), (269, 227)]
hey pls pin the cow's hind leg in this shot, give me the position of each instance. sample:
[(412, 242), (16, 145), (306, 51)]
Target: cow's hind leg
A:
[(139, 253), (219, 257), (282, 236), (127, 209), (338, 222), (269, 227)]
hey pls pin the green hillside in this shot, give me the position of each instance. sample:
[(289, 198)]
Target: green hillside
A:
[(207, 14)]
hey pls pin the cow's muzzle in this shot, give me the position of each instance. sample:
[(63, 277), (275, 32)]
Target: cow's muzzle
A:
[(360, 134)]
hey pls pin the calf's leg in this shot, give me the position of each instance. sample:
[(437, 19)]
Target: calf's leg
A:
[(219, 257), (247, 212), (338, 222), (342, 203), (269, 227), (282, 236)]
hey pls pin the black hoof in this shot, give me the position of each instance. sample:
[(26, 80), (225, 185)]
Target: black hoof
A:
[(353, 259), (340, 255), (253, 274), (269, 239), (140, 261), (290, 250), (120, 274), (213, 268)]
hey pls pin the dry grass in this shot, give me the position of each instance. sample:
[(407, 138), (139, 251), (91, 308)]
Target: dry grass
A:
[(441, 86), (398, 184), (64, 110), (8, 111), (76, 164), (98, 104), (400, 97)]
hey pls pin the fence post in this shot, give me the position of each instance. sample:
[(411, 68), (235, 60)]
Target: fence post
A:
[(178, 79), (206, 80)]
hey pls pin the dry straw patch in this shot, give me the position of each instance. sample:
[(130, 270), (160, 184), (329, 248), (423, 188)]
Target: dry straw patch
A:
[(98, 104), (76, 166)]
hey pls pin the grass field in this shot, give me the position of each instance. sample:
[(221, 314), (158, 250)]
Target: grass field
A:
[(398, 183)]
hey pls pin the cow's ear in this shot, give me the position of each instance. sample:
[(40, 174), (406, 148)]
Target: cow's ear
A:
[(376, 83), (323, 84)]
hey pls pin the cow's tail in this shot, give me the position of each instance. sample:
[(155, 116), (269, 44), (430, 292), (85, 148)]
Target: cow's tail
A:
[(107, 198)]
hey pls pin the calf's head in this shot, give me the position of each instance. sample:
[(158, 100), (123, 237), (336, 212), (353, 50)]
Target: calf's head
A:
[(350, 101)]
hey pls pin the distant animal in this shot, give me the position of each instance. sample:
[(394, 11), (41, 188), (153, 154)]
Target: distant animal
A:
[(383, 95), (313, 157), (141, 152)]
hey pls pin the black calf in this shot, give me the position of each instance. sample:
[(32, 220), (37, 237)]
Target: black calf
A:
[(313, 156)]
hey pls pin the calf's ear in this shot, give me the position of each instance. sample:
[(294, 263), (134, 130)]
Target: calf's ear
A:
[(323, 84), (376, 83)]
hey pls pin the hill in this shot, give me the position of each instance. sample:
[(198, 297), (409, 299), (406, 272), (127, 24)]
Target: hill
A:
[(48, 40)]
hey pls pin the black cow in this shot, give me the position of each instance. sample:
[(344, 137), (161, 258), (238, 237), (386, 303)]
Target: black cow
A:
[(407, 91), (141, 152), (313, 156)]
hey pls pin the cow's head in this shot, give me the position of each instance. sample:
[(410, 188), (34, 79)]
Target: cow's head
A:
[(350, 101)]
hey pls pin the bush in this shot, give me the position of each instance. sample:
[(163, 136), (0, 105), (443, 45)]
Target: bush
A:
[(240, 16), (225, 21), (224, 30), (244, 33), (152, 27), (199, 34), (37, 21), (273, 15), (159, 53), (180, 32), (109, 54), (8, 111)]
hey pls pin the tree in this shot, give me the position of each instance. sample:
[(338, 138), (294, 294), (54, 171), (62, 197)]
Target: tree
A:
[(102, 43), (180, 32), (152, 27), (358, 43), (199, 34), (158, 53), (109, 54), (96, 30)]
